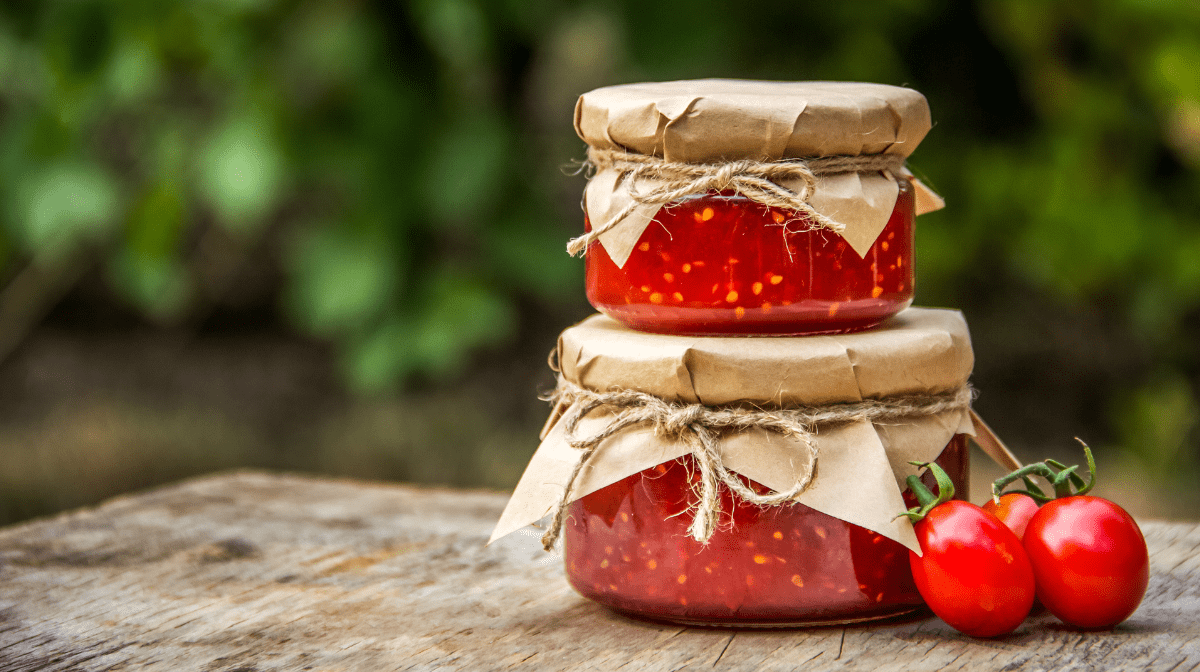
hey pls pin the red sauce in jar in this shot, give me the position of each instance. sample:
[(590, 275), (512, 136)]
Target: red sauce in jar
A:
[(626, 547), (720, 264)]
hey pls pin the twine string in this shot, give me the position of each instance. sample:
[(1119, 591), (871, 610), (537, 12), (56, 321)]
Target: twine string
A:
[(758, 181), (701, 428)]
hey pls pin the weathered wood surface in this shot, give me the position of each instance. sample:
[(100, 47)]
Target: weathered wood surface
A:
[(255, 572)]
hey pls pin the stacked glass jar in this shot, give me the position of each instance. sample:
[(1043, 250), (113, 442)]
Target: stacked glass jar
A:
[(722, 263)]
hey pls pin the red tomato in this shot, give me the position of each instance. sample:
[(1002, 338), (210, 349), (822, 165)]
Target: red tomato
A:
[(1014, 510), (974, 573), (1090, 561)]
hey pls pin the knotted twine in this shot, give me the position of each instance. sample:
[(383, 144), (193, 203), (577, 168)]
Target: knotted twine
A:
[(700, 426), (758, 181)]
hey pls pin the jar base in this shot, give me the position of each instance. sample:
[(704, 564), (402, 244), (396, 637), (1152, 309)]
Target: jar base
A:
[(692, 326), (905, 614)]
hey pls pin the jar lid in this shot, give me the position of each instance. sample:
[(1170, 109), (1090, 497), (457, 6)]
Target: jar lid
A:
[(862, 465), (918, 351), (710, 120)]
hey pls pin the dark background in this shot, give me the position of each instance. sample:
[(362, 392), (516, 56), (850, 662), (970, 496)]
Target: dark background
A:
[(328, 235)]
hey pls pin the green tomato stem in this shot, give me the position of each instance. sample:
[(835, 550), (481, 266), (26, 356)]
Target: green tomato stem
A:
[(926, 500), (1063, 479), (1091, 462)]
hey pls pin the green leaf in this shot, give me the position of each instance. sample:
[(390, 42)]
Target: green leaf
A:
[(458, 315), (1173, 66), (65, 205), (341, 280), (156, 222), (464, 314), (242, 171), (147, 270), (134, 72)]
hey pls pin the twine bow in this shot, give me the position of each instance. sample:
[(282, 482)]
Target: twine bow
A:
[(700, 427), (758, 181)]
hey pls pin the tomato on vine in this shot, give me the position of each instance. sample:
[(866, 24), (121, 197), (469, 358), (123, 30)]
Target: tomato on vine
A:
[(973, 572), (1014, 509), (1089, 556)]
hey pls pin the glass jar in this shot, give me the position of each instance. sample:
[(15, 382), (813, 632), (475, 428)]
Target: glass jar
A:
[(626, 547), (723, 264)]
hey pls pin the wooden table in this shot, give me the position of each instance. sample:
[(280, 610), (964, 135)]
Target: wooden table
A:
[(253, 572)]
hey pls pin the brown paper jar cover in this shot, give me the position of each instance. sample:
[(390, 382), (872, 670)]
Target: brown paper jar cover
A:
[(918, 351), (862, 466), (713, 120)]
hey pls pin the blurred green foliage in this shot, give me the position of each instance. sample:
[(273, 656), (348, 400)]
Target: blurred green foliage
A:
[(405, 157), (374, 137)]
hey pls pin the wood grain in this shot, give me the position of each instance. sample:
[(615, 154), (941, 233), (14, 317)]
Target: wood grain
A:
[(251, 572)]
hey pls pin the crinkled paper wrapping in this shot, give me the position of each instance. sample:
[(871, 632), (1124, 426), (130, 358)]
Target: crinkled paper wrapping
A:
[(714, 120), (862, 466)]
